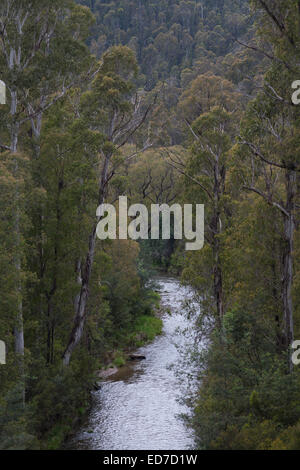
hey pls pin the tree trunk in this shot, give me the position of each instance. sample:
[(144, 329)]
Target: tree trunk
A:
[(18, 328), (217, 270), (80, 314), (289, 230), (219, 186), (82, 297)]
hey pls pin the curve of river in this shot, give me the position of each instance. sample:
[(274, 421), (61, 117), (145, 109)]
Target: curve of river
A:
[(138, 408)]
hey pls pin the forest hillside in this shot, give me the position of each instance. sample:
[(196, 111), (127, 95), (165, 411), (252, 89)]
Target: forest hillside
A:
[(164, 102)]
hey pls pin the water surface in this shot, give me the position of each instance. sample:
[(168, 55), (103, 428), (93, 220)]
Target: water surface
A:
[(138, 408)]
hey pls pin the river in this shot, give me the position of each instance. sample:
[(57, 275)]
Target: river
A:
[(138, 408)]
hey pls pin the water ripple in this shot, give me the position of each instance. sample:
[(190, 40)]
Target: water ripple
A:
[(139, 409)]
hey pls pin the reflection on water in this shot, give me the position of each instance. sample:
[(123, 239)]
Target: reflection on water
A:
[(138, 407)]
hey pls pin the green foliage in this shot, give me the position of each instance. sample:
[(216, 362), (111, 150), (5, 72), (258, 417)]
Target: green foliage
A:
[(167, 37), (119, 360), (89, 86), (145, 329)]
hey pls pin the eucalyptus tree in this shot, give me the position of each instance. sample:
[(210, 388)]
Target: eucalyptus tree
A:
[(270, 140), (114, 110), (208, 108), (206, 172), (41, 57), (270, 135)]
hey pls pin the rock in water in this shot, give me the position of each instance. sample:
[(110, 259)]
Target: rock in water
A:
[(96, 386), (137, 357)]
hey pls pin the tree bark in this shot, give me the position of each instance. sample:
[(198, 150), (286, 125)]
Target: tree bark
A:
[(287, 260), (218, 190), (18, 328), (86, 271)]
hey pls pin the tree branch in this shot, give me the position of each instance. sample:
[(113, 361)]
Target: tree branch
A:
[(267, 199)]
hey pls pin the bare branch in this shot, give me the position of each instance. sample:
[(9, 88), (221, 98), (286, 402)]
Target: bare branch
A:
[(258, 153), (191, 178), (261, 51), (267, 199)]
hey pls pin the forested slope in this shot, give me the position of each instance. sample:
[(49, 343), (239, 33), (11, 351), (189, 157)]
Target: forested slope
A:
[(169, 38), (175, 42)]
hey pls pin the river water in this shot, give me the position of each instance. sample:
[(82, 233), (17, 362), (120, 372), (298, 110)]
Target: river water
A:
[(138, 408)]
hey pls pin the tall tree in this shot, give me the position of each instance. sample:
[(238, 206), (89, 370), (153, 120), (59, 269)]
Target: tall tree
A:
[(115, 110), (30, 40)]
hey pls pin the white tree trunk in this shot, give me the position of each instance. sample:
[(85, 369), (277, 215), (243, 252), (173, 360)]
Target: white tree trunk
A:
[(86, 271)]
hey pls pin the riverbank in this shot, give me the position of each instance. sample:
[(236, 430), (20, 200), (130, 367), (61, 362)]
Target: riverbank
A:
[(138, 407), (142, 332)]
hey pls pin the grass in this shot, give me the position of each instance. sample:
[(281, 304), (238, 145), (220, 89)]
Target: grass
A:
[(146, 328), (119, 360)]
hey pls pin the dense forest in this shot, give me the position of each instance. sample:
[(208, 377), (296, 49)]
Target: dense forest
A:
[(164, 101)]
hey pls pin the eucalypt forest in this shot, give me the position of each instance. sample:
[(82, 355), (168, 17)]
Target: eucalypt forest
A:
[(135, 342)]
